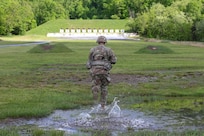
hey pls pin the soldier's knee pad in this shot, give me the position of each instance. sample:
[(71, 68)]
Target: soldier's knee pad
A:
[(104, 92), (95, 89)]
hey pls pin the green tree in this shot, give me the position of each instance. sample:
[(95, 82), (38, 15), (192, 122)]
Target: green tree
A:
[(16, 17), (164, 2), (199, 32), (164, 22), (193, 9), (115, 9), (76, 9), (46, 10), (2, 21), (96, 9), (136, 7), (26, 19)]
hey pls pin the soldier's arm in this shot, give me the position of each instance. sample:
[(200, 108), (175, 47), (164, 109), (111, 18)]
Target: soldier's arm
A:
[(90, 59), (112, 58)]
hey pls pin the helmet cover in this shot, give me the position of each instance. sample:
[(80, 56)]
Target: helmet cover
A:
[(101, 39)]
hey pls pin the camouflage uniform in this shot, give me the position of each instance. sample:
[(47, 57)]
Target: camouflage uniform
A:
[(100, 63)]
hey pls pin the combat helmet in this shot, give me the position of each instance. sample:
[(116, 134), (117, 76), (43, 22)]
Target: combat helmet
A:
[(101, 39)]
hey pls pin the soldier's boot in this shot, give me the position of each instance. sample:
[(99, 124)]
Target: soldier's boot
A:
[(102, 106), (103, 98)]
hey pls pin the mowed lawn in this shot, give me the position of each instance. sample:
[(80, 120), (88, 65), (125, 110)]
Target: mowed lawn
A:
[(55, 25)]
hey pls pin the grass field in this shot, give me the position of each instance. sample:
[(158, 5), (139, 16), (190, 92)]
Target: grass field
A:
[(55, 25), (34, 84)]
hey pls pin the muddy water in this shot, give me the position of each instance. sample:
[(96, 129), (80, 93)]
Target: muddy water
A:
[(71, 121)]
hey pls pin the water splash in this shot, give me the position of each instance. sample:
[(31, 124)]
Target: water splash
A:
[(112, 110), (115, 110), (109, 118)]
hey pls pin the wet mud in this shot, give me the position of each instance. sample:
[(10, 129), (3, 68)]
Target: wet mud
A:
[(72, 121)]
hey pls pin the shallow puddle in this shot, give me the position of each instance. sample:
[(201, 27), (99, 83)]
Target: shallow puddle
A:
[(71, 121)]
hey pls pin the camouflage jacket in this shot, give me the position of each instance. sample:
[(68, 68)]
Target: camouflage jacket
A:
[(100, 59)]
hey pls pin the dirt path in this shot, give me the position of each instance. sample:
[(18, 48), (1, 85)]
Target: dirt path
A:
[(197, 44), (191, 43), (24, 44)]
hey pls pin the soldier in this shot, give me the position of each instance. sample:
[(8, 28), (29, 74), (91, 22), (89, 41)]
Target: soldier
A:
[(99, 63)]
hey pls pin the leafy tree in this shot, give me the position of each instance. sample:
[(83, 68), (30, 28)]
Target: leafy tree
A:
[(193, 9), (199, 32), (164, 22), (76, 9), (115, 9), (26, 18), (2, 22), (86, 5), (97, 9), (46, 10), (136, 7), (16, 17), (165, 2), (8, 8)]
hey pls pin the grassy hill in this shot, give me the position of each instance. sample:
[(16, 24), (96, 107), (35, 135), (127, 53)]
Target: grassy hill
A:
[(50, 48), (55, 25)]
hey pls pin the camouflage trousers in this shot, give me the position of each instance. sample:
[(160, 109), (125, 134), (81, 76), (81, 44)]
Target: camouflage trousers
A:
[(100, 85)]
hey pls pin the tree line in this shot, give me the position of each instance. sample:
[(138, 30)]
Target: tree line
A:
[(166, 19)]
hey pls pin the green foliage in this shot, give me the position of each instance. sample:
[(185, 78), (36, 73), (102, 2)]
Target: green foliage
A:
[(16, 17), (174, 22), (115, 9), (199, 32), (164, 23), (46, 10), (115, 17), (50, 48)]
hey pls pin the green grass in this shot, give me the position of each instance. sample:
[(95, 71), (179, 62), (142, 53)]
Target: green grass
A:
[(161, 133), (39, 102), (10, 42), (40, 132), (55, 25), (29, 131), (22, 71), (36, 84)]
